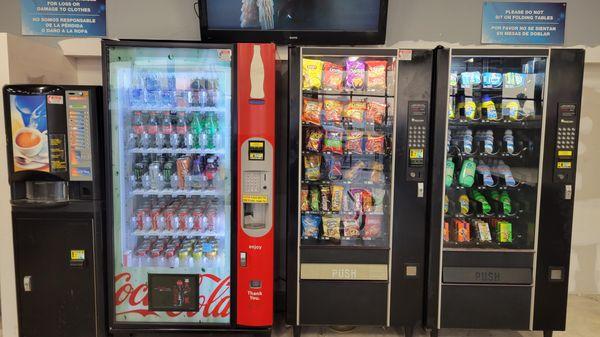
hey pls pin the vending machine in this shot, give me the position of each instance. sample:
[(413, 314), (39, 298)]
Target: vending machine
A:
[(502, 187), (358, 166), (53, 137), (190, 154)]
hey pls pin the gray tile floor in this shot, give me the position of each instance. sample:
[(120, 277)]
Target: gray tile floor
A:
[(583, 320)]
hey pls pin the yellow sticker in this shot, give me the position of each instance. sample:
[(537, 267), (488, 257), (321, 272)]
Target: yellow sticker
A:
[(77, 254), (416, 154), (255, 199), (565, 153), (563, 165)]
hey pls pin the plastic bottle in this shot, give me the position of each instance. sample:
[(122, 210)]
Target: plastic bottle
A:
[(166, 125), (449, 172), (485, 171), (463, 200), (196, 130), (490, 107), (506, 203), (152, 124), (446, 204), (448, 140), (488, 142), (196, 174), (468, 141), (505, 171), (212, 130), (466, 178), (485, 205), (509, 140)]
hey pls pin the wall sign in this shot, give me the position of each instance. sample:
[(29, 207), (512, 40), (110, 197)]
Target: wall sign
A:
[(63, 18), (523, 23)]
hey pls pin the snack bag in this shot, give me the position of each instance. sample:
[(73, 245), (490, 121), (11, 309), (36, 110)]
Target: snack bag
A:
[(333, 141), (354, 142), (312, 71), (356, 196), (325, 198), (311, 111), (314, 199), (378, 196), (354, 170), (331, 227), (351, 227), (337, 194), (333, 77), (334, 167), (375, 144), (355, 111), (310, 226), (333, 110), (373, 227), (355, 75), (314, 138), (375, 112), (304, 205), (367, 201), (376, 172), (376, 75), (312, 167)]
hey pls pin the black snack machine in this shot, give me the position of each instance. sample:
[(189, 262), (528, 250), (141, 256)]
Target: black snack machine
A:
[(56, 180), (504, 158)]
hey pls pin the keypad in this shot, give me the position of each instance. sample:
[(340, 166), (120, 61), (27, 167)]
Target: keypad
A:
[(565, 139), (417, 136)]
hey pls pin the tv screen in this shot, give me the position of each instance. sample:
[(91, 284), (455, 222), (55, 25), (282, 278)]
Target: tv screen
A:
[(294, 21)]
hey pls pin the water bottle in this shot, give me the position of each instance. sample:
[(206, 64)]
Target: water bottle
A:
[(510, 141), (488, 142), (468, 141)]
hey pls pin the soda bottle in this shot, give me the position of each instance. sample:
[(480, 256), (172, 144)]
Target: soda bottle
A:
[(212, 130), (213, 93), (166, 125), (466, 178), (196, 174), (449, 172), (196, 130), (485, 205)]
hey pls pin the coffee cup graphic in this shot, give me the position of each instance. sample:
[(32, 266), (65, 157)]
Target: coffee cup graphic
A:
[(29, 141)]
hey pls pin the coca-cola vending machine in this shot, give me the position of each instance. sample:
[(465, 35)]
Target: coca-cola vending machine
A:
[(190, 141)]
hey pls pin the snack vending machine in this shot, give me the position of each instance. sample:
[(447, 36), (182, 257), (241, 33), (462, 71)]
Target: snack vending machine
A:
[(190, 192), (358, 134), (54, 134), (503, 175)]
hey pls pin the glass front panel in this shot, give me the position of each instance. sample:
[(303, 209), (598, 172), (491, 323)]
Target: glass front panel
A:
[(171, 166), (494, 139), (347, 150)]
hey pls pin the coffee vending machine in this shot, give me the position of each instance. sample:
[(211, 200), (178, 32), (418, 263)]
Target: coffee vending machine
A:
[(55, 174)]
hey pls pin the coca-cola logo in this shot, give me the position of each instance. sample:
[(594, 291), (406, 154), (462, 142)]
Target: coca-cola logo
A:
[(134, 298)]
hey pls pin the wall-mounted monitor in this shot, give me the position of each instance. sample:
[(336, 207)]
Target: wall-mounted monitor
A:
[(297, 22)]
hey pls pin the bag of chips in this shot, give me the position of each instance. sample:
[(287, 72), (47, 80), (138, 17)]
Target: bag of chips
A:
[(331, 227), (376, 172), (367, 201), (304, 205), (334, 167), (333, 77), (354, 141), (314, 139), (312, 70), (355, 111), (378, 196), (375, 144), (311, 111), (375, 112), (333, 140), (314, 199), (355, 75), (354, 170), (376, 75), (351, 227), (337, 193), (356, 195), (325, 198), (310, 226), (333, 110), (312, 167), (373, 227)]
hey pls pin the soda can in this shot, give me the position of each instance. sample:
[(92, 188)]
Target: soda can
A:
[(140, 214), (183, 169), (197, 215), (169, 215), (138, 171), (167, 170), (182, 215), (154, 215)]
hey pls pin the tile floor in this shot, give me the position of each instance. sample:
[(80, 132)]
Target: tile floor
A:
[(583, 320)]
